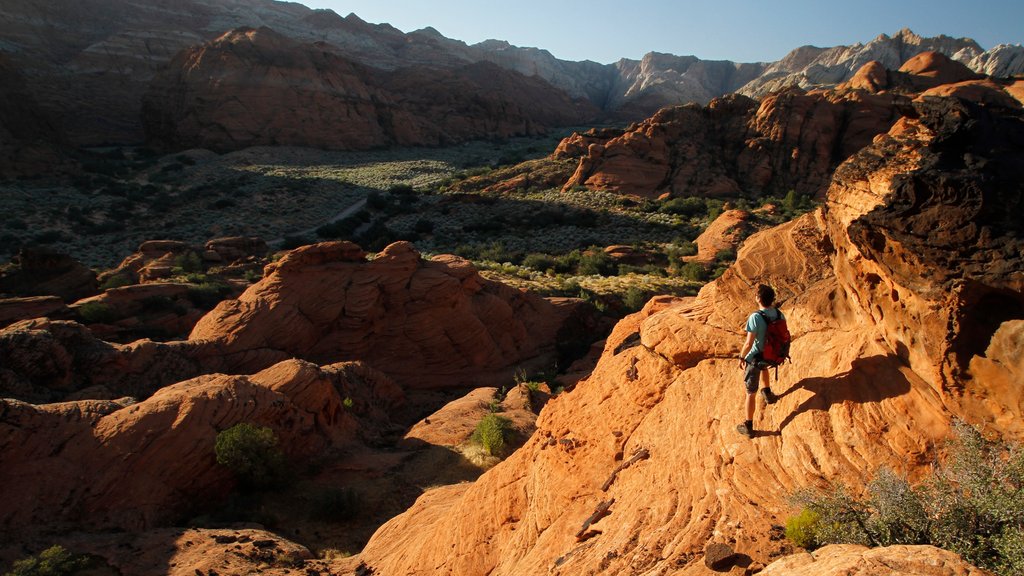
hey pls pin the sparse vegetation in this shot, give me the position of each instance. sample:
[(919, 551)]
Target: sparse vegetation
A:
[(97, 313), (972, 505), (490, 433), (252, 454), (54, 561)]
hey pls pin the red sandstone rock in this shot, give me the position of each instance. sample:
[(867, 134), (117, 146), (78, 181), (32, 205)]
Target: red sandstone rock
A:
[(145, 464), (15, 309), (838, 560), (793, 140), (724, 233), (896, 292), (938, 67), (424, 323), (256, 87), (872, 77)]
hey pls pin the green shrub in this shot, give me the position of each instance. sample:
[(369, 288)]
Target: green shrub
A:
[(490, 433), (116, 281), (252, 454), (187, 262), (635, 299), (207, 294), (801, 529), (973, 505), (97, 313), (54, 561)]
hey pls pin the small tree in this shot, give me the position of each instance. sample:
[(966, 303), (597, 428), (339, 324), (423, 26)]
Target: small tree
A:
[(54, 561), (252, 453)]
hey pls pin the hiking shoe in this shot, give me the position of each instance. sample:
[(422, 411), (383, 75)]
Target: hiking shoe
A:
[(745, 430), (769, 396)]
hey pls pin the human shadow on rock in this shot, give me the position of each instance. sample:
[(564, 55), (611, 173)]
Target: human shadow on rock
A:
[(870, 379)]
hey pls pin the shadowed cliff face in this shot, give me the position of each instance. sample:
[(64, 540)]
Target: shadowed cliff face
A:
[(896, 334), (257, 87)]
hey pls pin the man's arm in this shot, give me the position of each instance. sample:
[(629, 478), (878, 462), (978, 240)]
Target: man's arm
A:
[(746, 349)]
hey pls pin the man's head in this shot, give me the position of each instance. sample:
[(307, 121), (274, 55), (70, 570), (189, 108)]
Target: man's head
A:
[(765, 295)]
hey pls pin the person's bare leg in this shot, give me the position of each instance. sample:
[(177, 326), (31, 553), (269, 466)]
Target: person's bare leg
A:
[(751, 401)]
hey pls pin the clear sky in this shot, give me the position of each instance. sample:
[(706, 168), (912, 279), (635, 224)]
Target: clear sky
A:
[(738, 30)]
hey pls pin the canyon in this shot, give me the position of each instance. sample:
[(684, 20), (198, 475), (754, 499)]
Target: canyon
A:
[(903, 288), (904, 292)]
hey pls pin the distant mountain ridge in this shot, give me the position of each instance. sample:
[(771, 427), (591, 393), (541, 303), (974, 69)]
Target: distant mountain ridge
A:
[(88, 63)]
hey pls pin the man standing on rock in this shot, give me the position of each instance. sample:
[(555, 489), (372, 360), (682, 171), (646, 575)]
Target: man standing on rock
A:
[(754, 368)]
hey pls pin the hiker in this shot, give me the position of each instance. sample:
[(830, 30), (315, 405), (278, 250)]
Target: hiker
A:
[(751, 356)]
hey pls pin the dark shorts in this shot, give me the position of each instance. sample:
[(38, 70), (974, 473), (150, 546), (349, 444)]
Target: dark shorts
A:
[(752, 374)]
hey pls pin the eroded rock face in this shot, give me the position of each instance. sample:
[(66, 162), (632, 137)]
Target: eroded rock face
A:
[(426, 324), (151, 462), (900, 327), (791, 141)]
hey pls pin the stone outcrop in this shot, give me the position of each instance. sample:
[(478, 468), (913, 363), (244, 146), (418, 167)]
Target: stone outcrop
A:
[(838, 560), (905, 294), (792, 140), (44, 272), (426, 324), (153, 462), (725, 233)]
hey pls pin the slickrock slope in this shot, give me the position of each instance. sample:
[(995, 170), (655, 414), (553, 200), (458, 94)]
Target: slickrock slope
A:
[(905, 294), (426, 324), (114, 464)]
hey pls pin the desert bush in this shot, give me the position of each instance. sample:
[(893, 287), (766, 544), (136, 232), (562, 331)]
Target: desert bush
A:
[(490, 433), (801, 529), (689, 206), (539, 262), (206, 295), (252, 454), (116, 281), (97, 313), (187, 262), (54, 561), (597, 262), (635, 299), (693, 271), (973, 505)]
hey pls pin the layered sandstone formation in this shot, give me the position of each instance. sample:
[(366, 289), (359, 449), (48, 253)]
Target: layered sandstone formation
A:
[(84, 66), (905, 294), (427, 324), (135, 466), (257, 87), (790, 140)]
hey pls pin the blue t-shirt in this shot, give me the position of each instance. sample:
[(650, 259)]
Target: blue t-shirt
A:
[(757, 325)]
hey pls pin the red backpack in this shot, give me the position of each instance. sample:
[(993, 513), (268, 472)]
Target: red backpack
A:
[(776, 340)]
